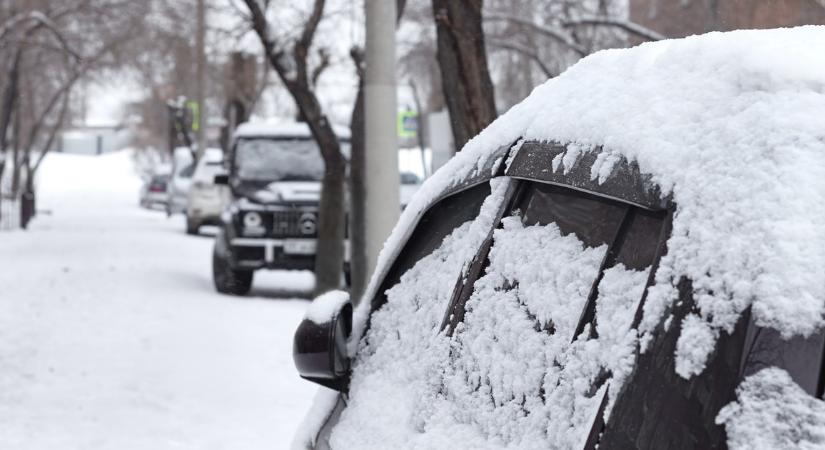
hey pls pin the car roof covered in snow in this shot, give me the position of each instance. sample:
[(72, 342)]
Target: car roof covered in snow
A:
[(277, 128), (213, 154), (729, 126)]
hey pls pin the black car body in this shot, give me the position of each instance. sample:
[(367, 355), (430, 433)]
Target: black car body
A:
[(656, 408), (631, 258)]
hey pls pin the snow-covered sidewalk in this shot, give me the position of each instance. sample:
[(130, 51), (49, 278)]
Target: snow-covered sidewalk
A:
[(112, 337)]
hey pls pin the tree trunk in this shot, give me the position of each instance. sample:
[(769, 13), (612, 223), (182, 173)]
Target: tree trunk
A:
[(329, 259), (465, 77), (27, 201), (6, 108)]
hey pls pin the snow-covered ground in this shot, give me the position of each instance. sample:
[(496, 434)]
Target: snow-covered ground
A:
[(112, 336)]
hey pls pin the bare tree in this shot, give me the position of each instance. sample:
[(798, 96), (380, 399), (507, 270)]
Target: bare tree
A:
[(290, 60), (52, 46), (462, 57)]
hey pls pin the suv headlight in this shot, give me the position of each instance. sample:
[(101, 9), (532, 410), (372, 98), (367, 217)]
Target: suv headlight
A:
[(252, 220), (253, 224)]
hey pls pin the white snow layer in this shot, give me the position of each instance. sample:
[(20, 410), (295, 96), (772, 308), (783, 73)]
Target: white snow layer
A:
[(729, 124), (773, 413), (113, 337), (326, 305), (509, 377)]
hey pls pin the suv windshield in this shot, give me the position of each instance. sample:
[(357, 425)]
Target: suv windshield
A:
[(267, 159)]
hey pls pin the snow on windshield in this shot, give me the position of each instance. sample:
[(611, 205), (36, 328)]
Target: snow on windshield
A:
[(278, 160), (730, 125), (403, 345), (514, 373), (773, 413), (509, 377)]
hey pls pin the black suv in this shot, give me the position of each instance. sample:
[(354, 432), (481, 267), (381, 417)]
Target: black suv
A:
[(274, 174)]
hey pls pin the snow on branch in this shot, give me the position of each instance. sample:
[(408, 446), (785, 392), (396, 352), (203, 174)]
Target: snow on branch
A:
[(626, 25)]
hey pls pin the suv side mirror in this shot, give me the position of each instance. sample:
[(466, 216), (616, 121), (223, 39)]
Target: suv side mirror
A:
[(320, 345), (222, 179)]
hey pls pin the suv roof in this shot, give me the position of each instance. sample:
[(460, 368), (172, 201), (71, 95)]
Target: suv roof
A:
[(281, 129)]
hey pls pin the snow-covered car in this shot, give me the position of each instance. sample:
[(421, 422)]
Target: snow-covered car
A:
[(182, 169), (153, 191), (274, 176), (631, 258), (205, 199)]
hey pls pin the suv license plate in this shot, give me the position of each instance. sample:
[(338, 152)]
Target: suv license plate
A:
[(299, 246)]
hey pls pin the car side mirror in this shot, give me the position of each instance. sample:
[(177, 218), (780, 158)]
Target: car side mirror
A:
[(320, 345), (222, 179)]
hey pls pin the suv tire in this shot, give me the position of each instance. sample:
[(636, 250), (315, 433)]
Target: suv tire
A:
[(192, 227), (228, 280)]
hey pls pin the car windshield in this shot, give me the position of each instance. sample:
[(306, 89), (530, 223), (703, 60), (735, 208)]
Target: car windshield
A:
[(269, 159)]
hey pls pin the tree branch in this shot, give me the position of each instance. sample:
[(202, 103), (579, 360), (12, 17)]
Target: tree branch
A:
[(322, 65), (630, 27), (558, 35), (312, 25), (523, 50), (40, 20), (52, 133)]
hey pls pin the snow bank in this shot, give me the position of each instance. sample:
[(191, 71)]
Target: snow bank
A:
[(773, 413)]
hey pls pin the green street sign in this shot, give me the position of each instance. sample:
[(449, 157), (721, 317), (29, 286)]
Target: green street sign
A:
[(407, 124), (196, 113)]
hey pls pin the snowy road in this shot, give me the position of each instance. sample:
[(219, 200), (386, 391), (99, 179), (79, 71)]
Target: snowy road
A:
[(112, 337)]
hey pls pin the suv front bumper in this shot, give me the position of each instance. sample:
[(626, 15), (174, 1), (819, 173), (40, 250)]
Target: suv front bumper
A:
[(288, 253)]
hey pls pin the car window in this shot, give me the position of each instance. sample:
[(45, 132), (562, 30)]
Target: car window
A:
[(519, 370), (593, 220), (434, 226), (187, 171), (409, 178), (800, 356), (267, 159), (657, 408), (404, 345)]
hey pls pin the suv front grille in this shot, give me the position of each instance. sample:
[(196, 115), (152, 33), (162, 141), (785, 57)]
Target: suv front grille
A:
[(294, 223)]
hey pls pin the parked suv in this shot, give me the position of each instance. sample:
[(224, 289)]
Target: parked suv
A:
[(632, 259), (274, 175)]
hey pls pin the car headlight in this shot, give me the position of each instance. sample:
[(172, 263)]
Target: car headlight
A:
[(253, 224), (252, 220)]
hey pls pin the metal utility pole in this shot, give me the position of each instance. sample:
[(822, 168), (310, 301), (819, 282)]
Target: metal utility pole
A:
[(200, 45), (381, 141)]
